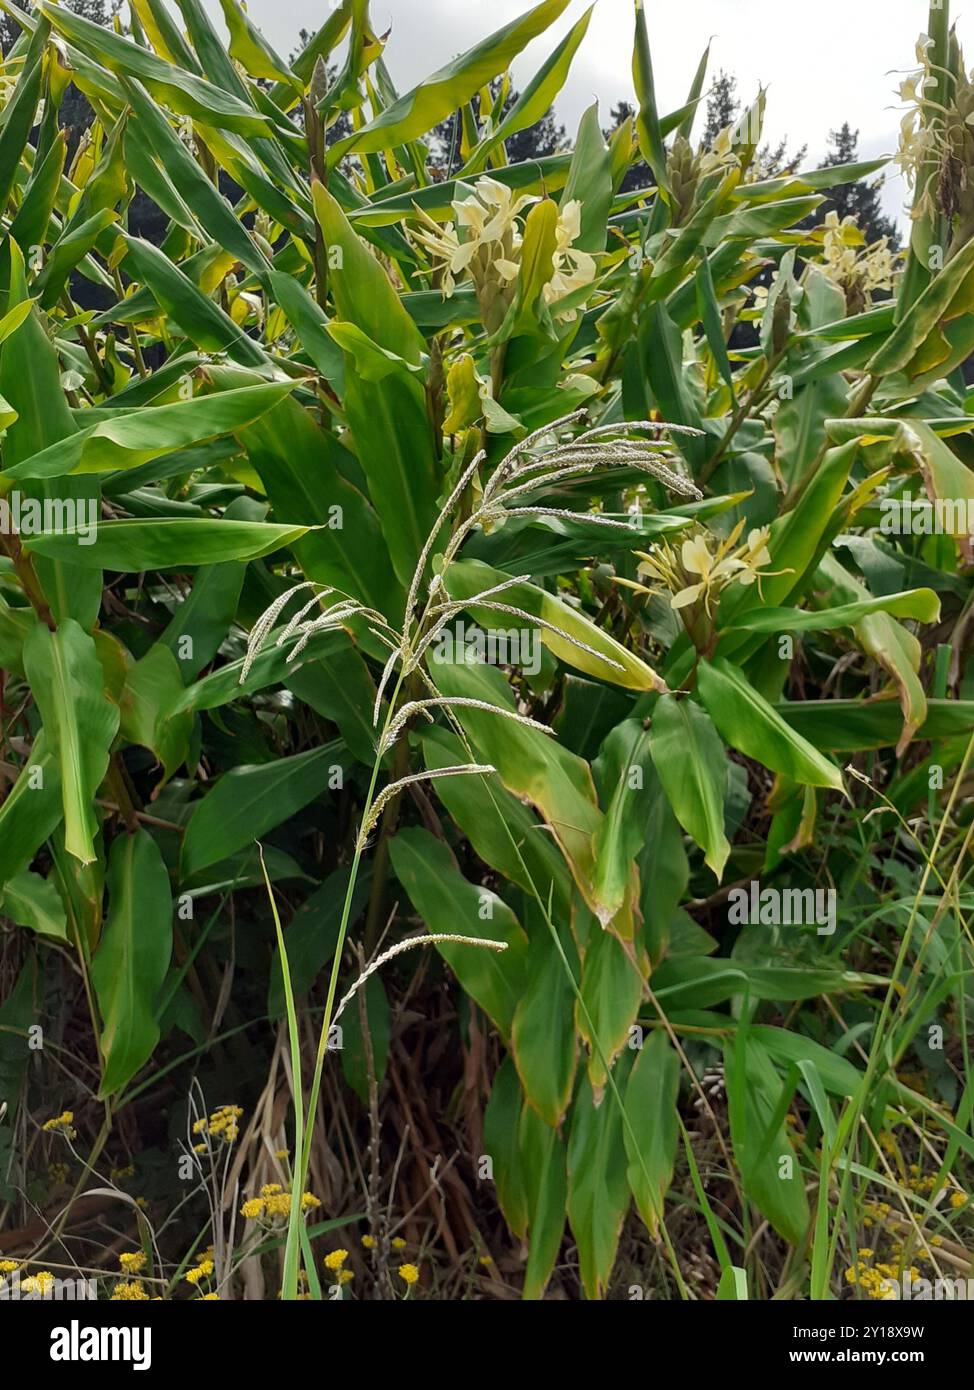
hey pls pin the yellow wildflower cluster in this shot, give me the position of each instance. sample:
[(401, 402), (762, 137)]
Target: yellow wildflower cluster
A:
[(58, 1172), (42, 1282), (876, 1281), (958, 1200), (131, 1261), (128, 1171), (61, 1124), (201, 1271), (335, 1259), (274, 1204), (130, 1291), (409, 1274), (8, 1266), (221, 1126)]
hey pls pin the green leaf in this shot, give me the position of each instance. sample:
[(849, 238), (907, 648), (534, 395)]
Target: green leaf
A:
[(754, 728), (650, 1101), (151, 687), (542, 1156), (608, 659), (34, 902), (647, 119), (126, 441), (536, 99), (692, 765), (249, 801), (438, 95), (184, 91), (66, 680), (450, 905), (31, 810), (129, 967), (167, 543), (598, 1192), (921, 604), (770, 1170), (202, 320)]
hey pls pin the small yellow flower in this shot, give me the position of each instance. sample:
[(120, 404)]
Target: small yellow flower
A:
[(309, 1201), (409, 1274), (368, 1242), (252, 1209), (345, 1276), (211, 1298), (42, 1282), (958, 1199), (130, 1292), (202, 1271), (61, 1124), (270, 1189), (8, 1266), (132, 1261), (281, 1154), (398, 1243), (335, 1259)]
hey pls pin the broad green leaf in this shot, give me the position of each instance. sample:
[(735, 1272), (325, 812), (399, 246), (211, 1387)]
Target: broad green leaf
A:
[(534, 102), (198, 316), (31, 809), (543, 1034), (770, 1170), (130, 965), (650, 1101), (752, 726), (184, 91), (692, 765), (647, 118), (542, 1155), (249, 801), (151, 687), (34, 902), (80, 721), (438, 95), (921, 604), (451, 905), (168, 543), (129, 440), (598, 1191), (501, 1119), (608, 659)]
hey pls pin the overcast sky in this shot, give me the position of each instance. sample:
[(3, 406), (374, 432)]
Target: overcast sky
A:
[(824, 63)]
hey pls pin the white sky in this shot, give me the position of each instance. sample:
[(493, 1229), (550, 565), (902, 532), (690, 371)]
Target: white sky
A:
[(824, 63)]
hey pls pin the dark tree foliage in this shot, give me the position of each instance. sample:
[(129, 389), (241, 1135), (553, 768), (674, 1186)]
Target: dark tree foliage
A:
[(545, 137), (723, 107), (861, 199)]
